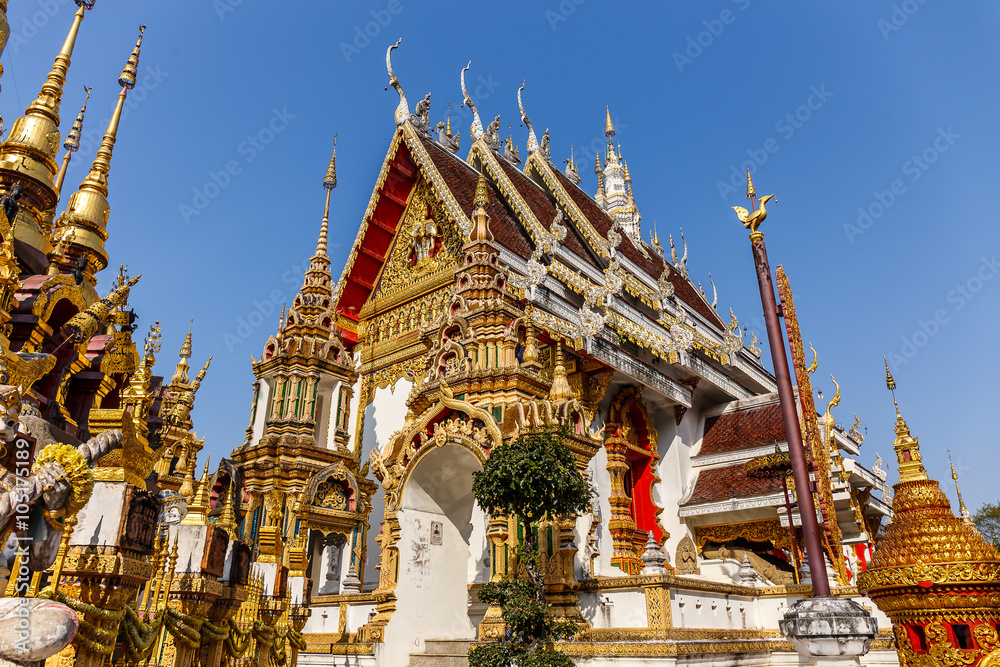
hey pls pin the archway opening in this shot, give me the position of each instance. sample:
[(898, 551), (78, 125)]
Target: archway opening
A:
[(442, 549)]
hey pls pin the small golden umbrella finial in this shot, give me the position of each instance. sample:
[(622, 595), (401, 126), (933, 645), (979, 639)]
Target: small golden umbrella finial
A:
[(751, 193), (890, 383)]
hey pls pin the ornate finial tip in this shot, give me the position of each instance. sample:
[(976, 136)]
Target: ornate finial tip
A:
[(330, 180), (131, 70), (890, 382), (85, 4), (751, 193)]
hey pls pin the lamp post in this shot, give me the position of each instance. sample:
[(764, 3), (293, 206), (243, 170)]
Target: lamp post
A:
[(824, 629), (789, 413)]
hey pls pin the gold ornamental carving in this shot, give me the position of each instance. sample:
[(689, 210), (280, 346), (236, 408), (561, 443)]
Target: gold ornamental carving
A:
[(768, 530)]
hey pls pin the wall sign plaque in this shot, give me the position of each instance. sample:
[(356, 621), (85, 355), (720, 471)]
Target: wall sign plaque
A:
[(140, 511), (213, 562)]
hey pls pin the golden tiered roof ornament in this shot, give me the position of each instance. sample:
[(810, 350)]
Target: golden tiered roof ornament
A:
[(80, 232), (932, 573)]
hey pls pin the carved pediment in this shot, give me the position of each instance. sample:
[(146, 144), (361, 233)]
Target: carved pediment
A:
[(427, 244)]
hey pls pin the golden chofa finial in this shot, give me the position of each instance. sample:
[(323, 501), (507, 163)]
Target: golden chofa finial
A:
[(753, 221)]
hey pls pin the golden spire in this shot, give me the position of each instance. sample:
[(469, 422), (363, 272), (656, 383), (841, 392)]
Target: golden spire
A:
[(82, 228), (198, 508), (751, 193), (329, 182), (228, 519), (572, 164), (30, 151), (181, 373), (447, 127), (908, 459), (47, 102), (480, 219), (72, 143), (609, 128), (962, 509)]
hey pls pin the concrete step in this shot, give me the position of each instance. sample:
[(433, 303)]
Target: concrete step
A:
[(438, 660), (448, 646)]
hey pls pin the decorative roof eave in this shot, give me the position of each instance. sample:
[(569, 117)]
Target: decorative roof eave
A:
[(733, 505), (369, 211), (597, 243), (539, 235), (409, 137)]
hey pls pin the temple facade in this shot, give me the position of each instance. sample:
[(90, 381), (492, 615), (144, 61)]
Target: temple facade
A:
[(483, 298)]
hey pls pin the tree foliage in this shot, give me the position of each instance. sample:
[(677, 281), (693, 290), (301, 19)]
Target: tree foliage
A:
[(987, 520), (533, 478)]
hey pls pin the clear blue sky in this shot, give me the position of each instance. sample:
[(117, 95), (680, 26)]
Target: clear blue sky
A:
[(697, 89)]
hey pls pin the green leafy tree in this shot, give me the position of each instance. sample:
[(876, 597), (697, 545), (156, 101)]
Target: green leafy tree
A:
[(987, 520), (533, 478)]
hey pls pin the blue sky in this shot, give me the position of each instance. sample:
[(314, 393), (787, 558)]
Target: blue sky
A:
[(885, 107)]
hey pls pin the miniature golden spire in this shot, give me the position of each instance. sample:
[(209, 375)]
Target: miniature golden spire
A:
[(572, 163), (82, 228), (188, 486), (84, 325), (72, 143), (751, 193), (907, 448), (560, 390), (198, 509), (447, 125), (609, 128), (181, 372), (480, 219), (228, 519), (962, 509)]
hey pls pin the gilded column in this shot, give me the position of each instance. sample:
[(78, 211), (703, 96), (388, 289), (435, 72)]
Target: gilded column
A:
[(621, 524)]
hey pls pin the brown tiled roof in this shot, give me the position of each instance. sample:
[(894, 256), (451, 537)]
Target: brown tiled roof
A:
[(652, 265), (719, 484), (743, 429), (543, 209), (461, 179)]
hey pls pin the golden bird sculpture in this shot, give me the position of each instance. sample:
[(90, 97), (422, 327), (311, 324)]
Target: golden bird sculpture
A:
[(753, 220)]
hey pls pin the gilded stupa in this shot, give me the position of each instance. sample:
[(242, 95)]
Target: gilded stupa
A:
[(933, 574)]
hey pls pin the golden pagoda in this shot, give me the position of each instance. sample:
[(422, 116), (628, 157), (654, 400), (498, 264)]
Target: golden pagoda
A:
[(933, 574)]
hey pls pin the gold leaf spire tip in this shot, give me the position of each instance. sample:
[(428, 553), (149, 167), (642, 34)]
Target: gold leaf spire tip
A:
[(609, 128), (127, 79), (330, 180)]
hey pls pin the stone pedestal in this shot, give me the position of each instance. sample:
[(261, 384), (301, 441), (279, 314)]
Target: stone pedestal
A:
[(829, 631)]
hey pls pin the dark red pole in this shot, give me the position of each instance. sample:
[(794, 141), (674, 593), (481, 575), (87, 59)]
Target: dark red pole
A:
[(790, 417)]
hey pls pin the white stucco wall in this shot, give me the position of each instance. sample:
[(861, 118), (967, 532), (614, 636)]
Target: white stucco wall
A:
[(383, 417)]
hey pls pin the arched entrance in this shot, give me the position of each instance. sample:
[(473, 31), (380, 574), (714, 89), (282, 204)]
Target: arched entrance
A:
[(441, 549)]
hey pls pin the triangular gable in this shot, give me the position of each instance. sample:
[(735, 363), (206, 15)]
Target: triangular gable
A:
[(409, 161)]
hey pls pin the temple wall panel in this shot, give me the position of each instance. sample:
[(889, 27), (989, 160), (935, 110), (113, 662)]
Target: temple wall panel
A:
[(615, 609), (383, 417)]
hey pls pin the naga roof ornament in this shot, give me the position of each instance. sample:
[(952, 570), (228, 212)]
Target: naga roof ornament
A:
[(402, 113), (532, 139), (476, 129)]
